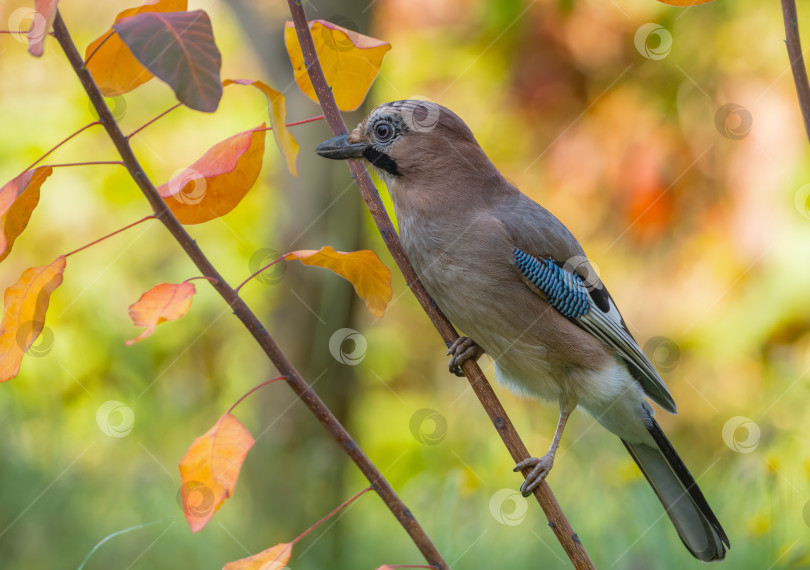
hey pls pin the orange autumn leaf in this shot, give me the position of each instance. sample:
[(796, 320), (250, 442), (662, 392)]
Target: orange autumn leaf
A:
[(113, 67), (18, 198), (41, 25), (350, 61), (278, 120), (210, 468), (217, 182), (24, 306), (162, 303), (274, 558), (370, 277)]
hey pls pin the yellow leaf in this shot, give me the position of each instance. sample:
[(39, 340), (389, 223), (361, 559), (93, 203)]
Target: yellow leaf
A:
[(113, 67), (274, 558), (370, 277), (24, 307), (217, 182), (278, 120), (18, 198), (210, 468), (163, 302), (350, 61)]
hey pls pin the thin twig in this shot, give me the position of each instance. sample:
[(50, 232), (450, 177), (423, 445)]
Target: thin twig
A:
[(98, 47), (91, 163), (255, 273), (60, 143), (304, 391), (249, 392), (109, 235), (150, 121), (794, 48), (556, 519)]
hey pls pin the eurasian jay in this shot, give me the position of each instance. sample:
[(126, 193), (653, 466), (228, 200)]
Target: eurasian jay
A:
[(514, 279)]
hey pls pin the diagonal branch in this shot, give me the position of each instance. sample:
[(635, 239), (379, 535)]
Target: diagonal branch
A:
[(241, 310), (556, 519), (794, 48)]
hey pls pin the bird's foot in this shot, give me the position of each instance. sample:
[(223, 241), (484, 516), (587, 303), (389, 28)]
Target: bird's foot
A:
[(542, 467), (462, 350)]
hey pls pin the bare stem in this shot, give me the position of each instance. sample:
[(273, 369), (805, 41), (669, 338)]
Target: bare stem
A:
[(98, 47), (556, 518), (255, 273), (95, 162), (209, 279), (794, 48), (303, 390), (163, 114), (310, 120), (60, 143), (108, 236), (249, 392), (337, 509)]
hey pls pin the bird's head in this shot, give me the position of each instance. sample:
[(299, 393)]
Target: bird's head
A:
[(408, 141)]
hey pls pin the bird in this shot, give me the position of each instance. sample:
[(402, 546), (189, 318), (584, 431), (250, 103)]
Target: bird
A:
[(517, 283)]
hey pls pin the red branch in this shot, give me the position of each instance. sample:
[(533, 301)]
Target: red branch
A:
[(337, 509), (108, 236), (60, 143), (249, 392)]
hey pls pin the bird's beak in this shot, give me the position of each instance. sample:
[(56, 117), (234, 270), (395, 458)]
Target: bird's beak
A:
[(340, 148)]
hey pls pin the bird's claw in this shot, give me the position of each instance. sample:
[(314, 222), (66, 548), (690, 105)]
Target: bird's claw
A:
[(462, 349), (541, 468)]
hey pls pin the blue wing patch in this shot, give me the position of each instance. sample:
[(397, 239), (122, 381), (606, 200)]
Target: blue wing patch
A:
[(563, 290)]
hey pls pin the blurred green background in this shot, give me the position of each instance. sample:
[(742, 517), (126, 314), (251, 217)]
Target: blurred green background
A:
[(676, 153)]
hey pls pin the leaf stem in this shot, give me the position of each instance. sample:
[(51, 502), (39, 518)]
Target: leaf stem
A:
[(342, 505), (113, 535), (142, 127), (249, 392), (60, 143), (116, 232), (310, 120), (206, 277), (63, 164), (255, 273), (98, 47)]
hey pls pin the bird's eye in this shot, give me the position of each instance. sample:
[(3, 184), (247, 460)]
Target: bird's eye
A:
[(383, 132)]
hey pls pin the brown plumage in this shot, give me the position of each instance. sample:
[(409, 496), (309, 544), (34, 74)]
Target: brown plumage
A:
[(514, 279)]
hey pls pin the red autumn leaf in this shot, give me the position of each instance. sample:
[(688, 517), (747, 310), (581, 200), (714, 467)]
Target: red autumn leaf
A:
[(113, 67), (162, 303), (41, 25), (24, 306), (350, 61), (179, 48), (274, 558), (217, 182), (210, 468), (370, 277), (18, 198), (278, 119)]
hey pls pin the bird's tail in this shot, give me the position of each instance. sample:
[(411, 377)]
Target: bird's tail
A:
[(683, 501)]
